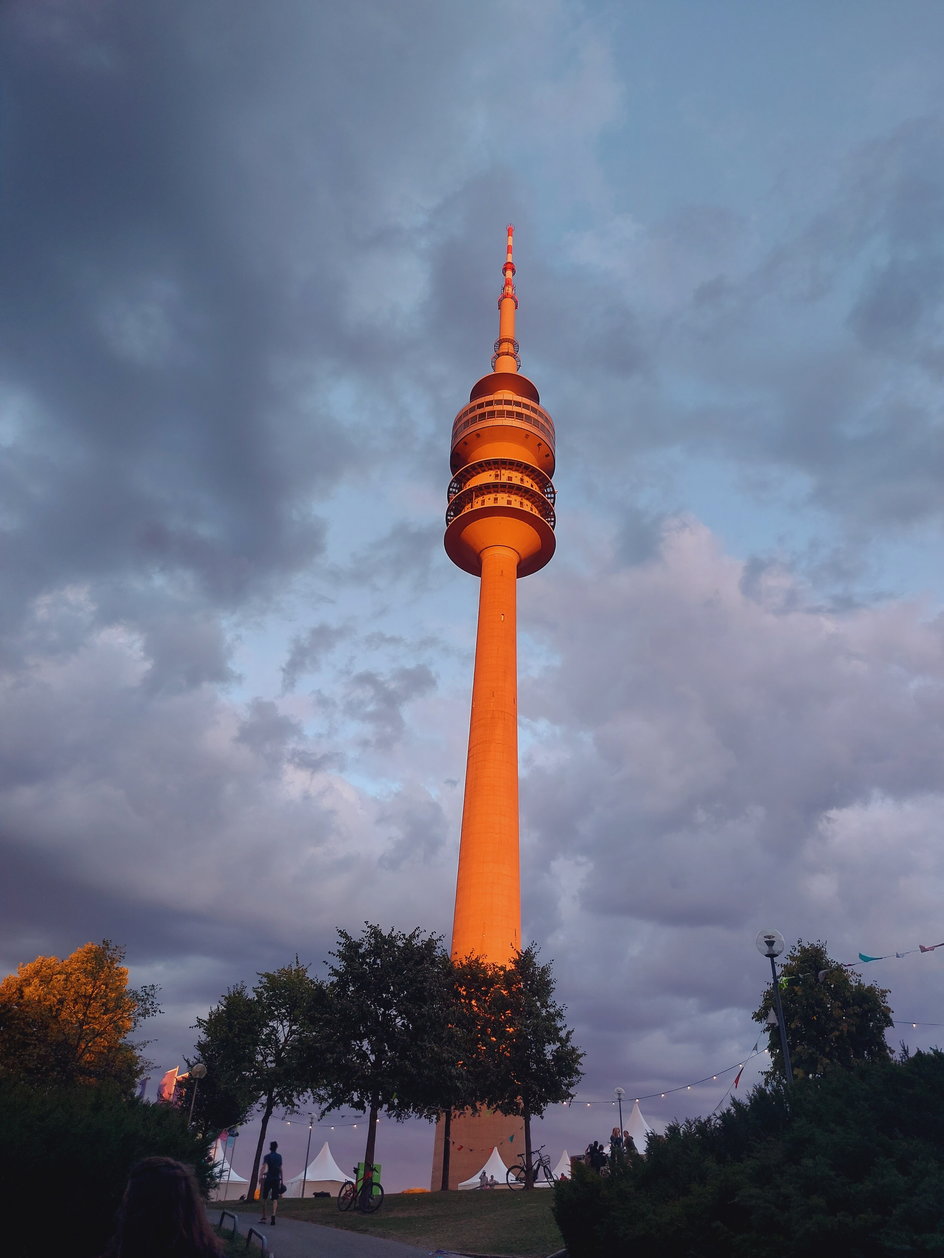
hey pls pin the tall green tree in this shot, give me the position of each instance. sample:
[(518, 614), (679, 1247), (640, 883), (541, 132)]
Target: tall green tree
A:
[(385, 1025), (230, 1036), (461, 1077), (261, 1050), (833, 1018), (67, 1021), (531, 1061)]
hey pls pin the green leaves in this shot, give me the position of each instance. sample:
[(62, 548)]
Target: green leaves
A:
[(385, 1020), (396, 1028), (66, 1021), (536, 1063), (851, 1163), (259, 1046), (833, 1018)]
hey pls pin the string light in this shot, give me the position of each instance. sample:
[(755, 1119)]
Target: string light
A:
[(682, 1087)]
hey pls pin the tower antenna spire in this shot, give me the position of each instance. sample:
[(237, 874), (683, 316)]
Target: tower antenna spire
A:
[(506, 357)]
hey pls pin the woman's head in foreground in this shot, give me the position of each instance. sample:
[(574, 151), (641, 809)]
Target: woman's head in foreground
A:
[(162, 1214)]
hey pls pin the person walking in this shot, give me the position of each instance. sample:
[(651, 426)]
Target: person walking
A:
[(271, 1181)]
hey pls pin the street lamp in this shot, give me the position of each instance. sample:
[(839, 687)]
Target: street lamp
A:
[(307, 1151), (770, 944), (197, 1072), (230, 1142), (619, 1101)]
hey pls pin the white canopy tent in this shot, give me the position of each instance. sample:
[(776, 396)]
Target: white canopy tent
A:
[(638, 1128), (562, 1169), (494, 1167), (323, 1175), (231, 1186)]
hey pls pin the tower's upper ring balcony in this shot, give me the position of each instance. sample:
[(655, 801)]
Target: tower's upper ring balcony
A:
[(518, 420)]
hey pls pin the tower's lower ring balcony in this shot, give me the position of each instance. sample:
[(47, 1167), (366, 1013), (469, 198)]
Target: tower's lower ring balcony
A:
[(510, 472), (500, 494)]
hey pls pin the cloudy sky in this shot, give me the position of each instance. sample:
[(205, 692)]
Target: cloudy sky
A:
[(250, 262)]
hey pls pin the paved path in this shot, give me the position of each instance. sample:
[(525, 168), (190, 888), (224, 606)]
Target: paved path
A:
[(290, 1238)]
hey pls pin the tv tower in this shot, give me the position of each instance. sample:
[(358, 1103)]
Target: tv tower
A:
[(499, 527)]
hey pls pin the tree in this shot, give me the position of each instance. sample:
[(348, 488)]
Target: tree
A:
[(260, 1049), (531, 1060), (833, 1018), (462, 1075), (229, 1048), (67, 1021), (385, 1025)]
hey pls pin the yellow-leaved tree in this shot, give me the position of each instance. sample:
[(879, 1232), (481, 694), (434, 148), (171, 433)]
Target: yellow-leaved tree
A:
[(67, 1021)]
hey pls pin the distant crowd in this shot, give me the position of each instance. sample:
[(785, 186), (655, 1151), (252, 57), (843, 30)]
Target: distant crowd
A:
[(622, 1146)]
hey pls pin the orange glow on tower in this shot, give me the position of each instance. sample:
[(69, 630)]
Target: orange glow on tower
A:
[(499, 527)]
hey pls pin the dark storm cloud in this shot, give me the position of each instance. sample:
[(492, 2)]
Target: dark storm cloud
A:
[(251, 258), (725, 730), (417, 827), (815, 350), (409, 553), (308, 652), (377, 700), (145, 345)]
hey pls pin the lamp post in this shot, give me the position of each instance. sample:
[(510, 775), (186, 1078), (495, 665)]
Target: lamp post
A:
[(770, 944), (231, 1144), (307, 1151), (197, 1072), (619, 1092)]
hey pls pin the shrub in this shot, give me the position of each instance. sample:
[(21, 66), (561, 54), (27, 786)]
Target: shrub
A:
[(851, 1163), (65, 1154)]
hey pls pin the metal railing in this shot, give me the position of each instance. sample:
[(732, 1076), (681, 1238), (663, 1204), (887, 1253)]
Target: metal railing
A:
[(263, 1240), (228, 1214), (501, 495)]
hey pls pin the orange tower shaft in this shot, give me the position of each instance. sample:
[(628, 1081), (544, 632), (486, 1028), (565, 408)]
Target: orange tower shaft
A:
[(499, 527), (487, 920)]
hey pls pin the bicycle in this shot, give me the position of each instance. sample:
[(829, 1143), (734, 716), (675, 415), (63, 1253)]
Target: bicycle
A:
[(540, 1165), (368, 1194)]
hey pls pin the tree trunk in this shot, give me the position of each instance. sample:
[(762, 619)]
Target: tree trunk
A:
[(529, 1170), (371, 1138), (266, 1115), (447, 1148)]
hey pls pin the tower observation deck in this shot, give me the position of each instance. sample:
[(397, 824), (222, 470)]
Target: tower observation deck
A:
[(499, 526), (502, 459)]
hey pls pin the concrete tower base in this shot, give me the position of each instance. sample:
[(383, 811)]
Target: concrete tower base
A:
[(473, 1138)]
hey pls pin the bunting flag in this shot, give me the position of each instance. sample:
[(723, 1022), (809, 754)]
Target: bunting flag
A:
[(751, 1055), (864, 958), (472, 1148)]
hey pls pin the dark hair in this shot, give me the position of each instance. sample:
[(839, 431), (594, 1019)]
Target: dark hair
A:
[(273, 1144), (162, 1215)]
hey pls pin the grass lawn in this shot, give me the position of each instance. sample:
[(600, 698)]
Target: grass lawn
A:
[(519, 1224)]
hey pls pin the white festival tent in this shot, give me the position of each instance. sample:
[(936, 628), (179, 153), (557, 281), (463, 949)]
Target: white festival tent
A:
[(231, 1186), (638, 1128), (493, 1167), (562, 1169), (323, 1175)]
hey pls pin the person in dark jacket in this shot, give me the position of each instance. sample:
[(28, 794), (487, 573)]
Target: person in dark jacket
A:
[(271, 1181)]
